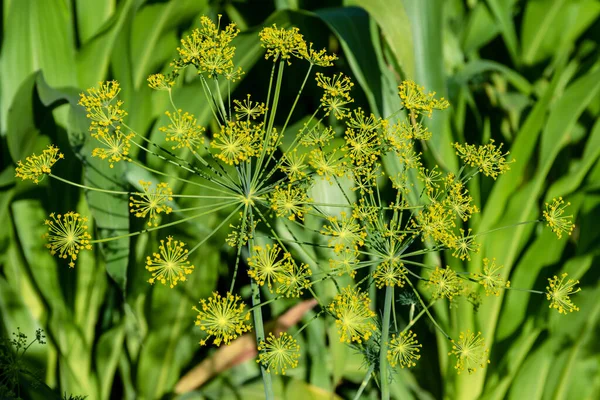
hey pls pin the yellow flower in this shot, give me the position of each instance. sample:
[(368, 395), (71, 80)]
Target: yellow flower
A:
[(487, 158), (337, 94), (293, 165), (282, 43), (445, 283), (101, 106), (151, 202), (491, 280), (171, 264), (319, 58), (36, 167), (345, 232), (295, 278), (160, 82), (265, 265), (554, 217), (403, 349), (223, 318), (316, 136), (417, 101), (328, 165), (559, 292), (183, 130), (344, 262), (354, 318), (390, 273), (236, 141), (249, 109), (465, 245), (290, 201), (279, 353), (117, 145), (470, 352), (67, 235)]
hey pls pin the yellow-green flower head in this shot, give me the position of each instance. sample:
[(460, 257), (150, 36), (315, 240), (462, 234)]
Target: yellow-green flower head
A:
[(319, 58), (559, 292), (431, 179), (222, 318), (171, 264), (354, 318), (436, 223), (465, 245), (403, 350), (490, 279), (488, 158), (282, 44), (316, 136), (417, 101), (337, 94), (345, 262), (151, 202), (37, 167), (183, 130), (444, 282), (390, 273), (470, 352), (101, 106), (293, 165), (295, 278), (67, 235), (116, 144), (290, 201), (248, 109), (554, 217), (458, 199), (278, 353), (328, 165), (237, 141), (362, 146), (160, 82), (266, 265), (357, 120), (345, 232)]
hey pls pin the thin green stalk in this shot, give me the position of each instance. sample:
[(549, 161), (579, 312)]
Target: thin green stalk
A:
[(365, 382), (385, 331), (214, 230), (221, 103), (88, 187)]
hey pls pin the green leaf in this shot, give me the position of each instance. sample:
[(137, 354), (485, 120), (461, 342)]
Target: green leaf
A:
[(91, 15)]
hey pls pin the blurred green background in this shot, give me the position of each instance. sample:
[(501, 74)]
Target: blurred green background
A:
[(525, 73)]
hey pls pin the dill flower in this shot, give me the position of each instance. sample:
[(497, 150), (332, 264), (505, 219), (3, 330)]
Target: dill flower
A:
[(117, 145), (464, 246), (344, 262), (444, 282), (293, 165), (470, 352), (554, 217), (294, 279), (345, 232), (67, 235), (320, 58), (337, 94), (403, 349), (390, 273), (358, 120), (248, 108), (36, 167), (458, 199), (362, 146), (279, 353), (183, 130), (222, 318), (170, 264), (354, 318), (151, 202), (327, 165), (265, 265), (160, 82), (316, 136), (559, 292), (101, 106), (436, 223), (290, 201), (416, 100), (282, 43), (490, 279), (235, 142), (488, 158), (430, 177)]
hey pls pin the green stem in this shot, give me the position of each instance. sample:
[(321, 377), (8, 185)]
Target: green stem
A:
[(364, 383), (260, 336), (87, 187), (385, 331)]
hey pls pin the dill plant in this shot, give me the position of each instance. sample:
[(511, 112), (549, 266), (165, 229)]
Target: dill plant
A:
[(381, 232)]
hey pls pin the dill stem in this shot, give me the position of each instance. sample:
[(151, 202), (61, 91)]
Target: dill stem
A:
[(214, 230), (88, 187), (427, 311), (364, 383), (385, 331)]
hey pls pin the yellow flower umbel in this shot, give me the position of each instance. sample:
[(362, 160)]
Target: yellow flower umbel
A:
[(403, 349), (279, 353), (290, 201), (417, 101), (183, 130), (116, 144), (161, 82), (295, 278), (337, 94), (390, 273), (445, 283), (344, 262), (237, 141), (101, 106), (151, 202), (293, 165), (470, 352), (265, 265), (248, 109), (36, 167), (319, 58), (345, 232), (67, 235), (282, 44), (488, 158), (559, 292), (354, 318), (490, 279), (222, 318), (464, 246), (556, 221), (170, 265)]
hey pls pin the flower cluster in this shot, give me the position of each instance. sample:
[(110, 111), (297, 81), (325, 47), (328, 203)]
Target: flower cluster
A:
[(354, 318), (279, 353), (67, 235), (170, 265), (222, 318), (37, 167), (151, 202)]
